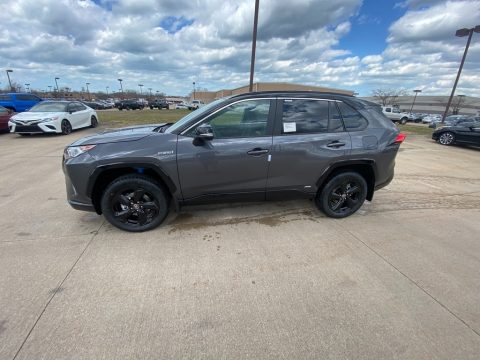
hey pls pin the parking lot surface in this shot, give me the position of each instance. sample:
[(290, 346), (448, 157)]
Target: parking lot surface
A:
[(398, 280)]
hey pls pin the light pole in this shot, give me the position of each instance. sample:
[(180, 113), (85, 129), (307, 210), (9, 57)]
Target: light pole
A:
[(460, 33), (140, 86), (254, 45), (27, 87), (194, 90), (415, 98), (9, 81), (56, 83), (88, 91), (121, 87), (150, 91), (106, 88), (50, 89)]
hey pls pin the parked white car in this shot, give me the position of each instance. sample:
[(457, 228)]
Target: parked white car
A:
[(431, 118), (396, 115), (195, 104), (59, 117)]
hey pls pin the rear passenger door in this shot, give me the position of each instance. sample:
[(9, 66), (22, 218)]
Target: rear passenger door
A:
[(308, 136)]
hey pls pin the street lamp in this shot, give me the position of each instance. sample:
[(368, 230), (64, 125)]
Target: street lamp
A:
[(27, 87), (150, 91), (460, 33), (9, 81), (194, 90), (88, 91), (413, 103), (56, 83), (106, 88), (121, 87), (140, 86), (50, 89)]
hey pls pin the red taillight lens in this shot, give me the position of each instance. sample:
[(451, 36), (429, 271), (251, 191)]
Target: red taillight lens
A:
[(400, 138)]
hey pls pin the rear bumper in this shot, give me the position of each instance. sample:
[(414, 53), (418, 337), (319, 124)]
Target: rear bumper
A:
[(81, 206), (384, 183)]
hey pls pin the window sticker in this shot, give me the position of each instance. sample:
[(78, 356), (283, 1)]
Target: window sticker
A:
[(289, 127)]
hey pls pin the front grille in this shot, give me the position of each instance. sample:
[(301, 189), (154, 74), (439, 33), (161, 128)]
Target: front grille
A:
[(28, 129)]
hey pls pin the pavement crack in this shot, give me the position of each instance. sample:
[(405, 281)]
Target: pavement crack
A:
[(57, 290), (414, 283)]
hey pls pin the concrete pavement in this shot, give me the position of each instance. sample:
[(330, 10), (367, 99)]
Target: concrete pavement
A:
[(274, 280)]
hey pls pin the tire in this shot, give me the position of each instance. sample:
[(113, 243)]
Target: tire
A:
[(446, 138), (66, 127), (93, 122), (342, 195), (124, 203), (403, 121)]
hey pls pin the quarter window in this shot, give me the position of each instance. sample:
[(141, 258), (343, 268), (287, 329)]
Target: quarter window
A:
[(241, 120), (310, 117), (352, 119)]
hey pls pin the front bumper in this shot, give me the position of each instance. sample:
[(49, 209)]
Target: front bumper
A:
[(77, 195), (38, 128)]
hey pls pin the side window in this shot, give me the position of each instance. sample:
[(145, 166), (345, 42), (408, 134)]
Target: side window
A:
[(3, 111), (79, 107), (310, 117), (23, 97), (240, 120), (388, 110), (352, 119)]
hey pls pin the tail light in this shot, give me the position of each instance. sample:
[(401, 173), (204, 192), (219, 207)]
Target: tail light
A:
[(400, 138)]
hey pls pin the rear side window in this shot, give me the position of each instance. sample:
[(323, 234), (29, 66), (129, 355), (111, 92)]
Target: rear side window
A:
[(27, 97), (4, 98), (352, 119), (310, 117)]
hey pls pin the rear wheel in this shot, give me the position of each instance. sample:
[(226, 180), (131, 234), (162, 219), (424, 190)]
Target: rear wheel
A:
[(403, 120), (135, 203), (66, 127), (446, 138), (343, 195)]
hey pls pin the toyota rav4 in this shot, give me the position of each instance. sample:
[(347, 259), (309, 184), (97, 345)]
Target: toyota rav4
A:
[(332, 148)]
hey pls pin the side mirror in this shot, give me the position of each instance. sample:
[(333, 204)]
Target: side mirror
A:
[(204, 132)]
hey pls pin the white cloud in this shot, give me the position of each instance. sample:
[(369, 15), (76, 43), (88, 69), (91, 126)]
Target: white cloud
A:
[(167, 44)]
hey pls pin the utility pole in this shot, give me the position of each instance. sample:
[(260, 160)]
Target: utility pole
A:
[(254, 44), (9, 81), (413, 103)]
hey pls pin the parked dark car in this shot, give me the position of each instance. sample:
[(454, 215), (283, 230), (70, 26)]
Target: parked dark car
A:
[(333, 148), (5, 115), (158, 104), (461, 131), (132, 104), (95, 105)]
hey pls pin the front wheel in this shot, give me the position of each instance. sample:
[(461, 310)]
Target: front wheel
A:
[(343, 195), (66, 127), (447, 138), (93, 122), (134, 203)]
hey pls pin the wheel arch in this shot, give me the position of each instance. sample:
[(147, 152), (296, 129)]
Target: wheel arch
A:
[(365, 167), (104, 175)]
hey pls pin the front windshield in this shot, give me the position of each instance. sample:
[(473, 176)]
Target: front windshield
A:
[(193, 114), (49, 107)]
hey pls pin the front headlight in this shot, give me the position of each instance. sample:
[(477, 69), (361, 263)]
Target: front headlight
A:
[(73, 151), (48, 119)]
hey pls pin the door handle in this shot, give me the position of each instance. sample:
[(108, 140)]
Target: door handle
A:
[(257, 152), (335, 144)]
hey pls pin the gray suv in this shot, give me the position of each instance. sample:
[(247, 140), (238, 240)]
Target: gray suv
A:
[(333, 148)]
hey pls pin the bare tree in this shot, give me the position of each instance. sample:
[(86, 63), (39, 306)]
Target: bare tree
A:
[(388, 96), (458, 104)]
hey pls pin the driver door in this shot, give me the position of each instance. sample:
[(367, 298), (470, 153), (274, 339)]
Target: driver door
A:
[(234, 164)]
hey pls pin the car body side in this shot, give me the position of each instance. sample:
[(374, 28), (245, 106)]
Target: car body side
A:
[(165, 158)]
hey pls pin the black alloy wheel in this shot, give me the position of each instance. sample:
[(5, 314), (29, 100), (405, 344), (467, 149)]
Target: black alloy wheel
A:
[(66, 127), (343, 195), (446, 138), (93, 122), (135, 203)]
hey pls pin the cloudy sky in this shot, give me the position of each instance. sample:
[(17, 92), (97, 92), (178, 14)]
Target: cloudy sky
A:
[(168, 44)]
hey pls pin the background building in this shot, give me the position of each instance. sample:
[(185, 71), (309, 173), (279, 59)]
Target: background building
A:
[(209, 96)]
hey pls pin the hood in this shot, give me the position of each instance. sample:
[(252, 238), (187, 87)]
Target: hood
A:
[(120, 135), (32, 115)]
